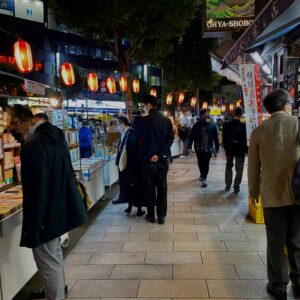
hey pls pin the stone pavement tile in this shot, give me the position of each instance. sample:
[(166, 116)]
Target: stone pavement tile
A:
[(182, 204), (246, 246), (88, 272), (103, 229), (122, 237), (179, 199), (212, 220), (185, 196), (78, 259), (221, 236), (84, 298), (92, 238), (173, 258), (148, 247), (237, 289), (251, 271), (105, 288), (241, 228), (210, 209), (256, 236), (263, 256), (106, 222), (151, 228), (196, 228), (179, 209), (129, 221), (136, 298), (230, 258), (97, 247), (173, 236), (205, 271), (173, 288), (117, 258), (190, 215), (142, 272), (200, 246), (180, 221)]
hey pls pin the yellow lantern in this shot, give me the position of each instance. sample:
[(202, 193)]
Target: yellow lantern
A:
[(169, 99), (204, 105), (223, 108), (231, 107), (92, 81), (153, 92), (111, 85), (136, 86), (23, 56), (193, 101), (181, 98), (239, 103), (123, 84), (67, 74)]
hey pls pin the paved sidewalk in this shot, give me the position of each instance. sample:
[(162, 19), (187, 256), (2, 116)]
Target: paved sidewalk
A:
[(206, 249)]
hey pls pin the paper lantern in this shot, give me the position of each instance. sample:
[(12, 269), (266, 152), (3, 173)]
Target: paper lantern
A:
[(153, 92), (169, 99), (204, 105), (231, 107), (181, 98), (23, 56), (111, 85), (92, 81), (136, 86), (67, 74), (193, 101), (223, 108), (239, 103), (123, 84)]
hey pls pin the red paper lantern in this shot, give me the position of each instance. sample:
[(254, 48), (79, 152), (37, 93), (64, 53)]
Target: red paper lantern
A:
[(123, 84), (23, 56), (193, 101), (204, 105), (111, 85), (153, 92), (181, 98), (136, 86), (67, 74), (231, 107), (223, 108), (169, 99), (92, 81)]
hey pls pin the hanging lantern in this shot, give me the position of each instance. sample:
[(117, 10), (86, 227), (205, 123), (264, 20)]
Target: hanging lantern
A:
[(181, 98), (169, 99), (153, 92), (92, 81), (123, 84), (223, 108), (239, 103), (231, 107), (67, 74), (136, 86), (193, 101), (23, 56), (204, 105), (111, 85)]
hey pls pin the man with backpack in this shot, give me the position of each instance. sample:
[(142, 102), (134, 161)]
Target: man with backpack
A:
[(235, 145)]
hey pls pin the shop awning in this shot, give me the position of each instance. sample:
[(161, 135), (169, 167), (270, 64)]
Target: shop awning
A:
[(287, 21), (271, 12)]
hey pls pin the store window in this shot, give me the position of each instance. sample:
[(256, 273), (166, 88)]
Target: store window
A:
[(72, 49), (92, 52), (78, 50), (98, 53), (66, 48), (155, 80), (85, 51), (108, 55)]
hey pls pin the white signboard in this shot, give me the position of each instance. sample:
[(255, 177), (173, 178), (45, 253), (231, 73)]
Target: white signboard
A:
[(7, 7), (250, 76), (32, 10), (34, 87)]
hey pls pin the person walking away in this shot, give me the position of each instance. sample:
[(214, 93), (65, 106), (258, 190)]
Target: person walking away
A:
[(85, 139), (157, 138), (273, 153), (123, 180), (204, 136), (235, 145), (183, 133), (52, 205)]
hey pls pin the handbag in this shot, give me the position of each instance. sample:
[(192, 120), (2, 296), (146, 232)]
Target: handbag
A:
[(296, 175), (123, 157)]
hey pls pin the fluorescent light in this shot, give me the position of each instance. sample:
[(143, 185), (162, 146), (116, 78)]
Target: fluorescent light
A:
[(257, 57), (267, 69)]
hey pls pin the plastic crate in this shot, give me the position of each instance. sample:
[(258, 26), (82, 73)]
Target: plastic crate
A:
[(256, 212)]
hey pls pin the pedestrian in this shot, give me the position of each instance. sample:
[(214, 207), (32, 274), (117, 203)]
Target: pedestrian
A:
[(235, 145), (85, 139), (156, 140), (204, 135), (273, 153), (121, 160), (184, 133), (52, 205)]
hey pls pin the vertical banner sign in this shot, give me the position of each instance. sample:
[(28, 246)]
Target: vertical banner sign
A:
[(250, 76)]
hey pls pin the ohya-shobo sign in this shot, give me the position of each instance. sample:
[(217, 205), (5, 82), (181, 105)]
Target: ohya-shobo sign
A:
[(228, 15)]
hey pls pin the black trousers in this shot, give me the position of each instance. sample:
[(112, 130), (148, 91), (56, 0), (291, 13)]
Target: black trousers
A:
[(283, 228), (123, 183), (239, 168), (203, 163), (156, 187)]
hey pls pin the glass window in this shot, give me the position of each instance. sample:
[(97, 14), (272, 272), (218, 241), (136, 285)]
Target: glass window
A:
[(72, 49), (85, 51), (108, 55), (98, 53), (155, 80), (92, 52), (78, 50), (66, 48)]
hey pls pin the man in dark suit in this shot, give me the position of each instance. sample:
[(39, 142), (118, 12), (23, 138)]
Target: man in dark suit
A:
[(124, 130), (156, 140)]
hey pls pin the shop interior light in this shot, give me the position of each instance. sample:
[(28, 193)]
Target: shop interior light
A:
[(267, 69), (54, 102), (153, 92), (223, 108), (257, 57)]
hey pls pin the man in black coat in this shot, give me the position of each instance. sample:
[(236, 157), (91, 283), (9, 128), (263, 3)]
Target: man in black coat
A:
[(155, 151), (235, 145), (52, 204), (204, 135)]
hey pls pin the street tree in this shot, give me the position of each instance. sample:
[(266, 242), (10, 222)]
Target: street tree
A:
[(136, 30)]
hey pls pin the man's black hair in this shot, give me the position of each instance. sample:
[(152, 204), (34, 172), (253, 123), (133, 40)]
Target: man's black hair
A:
[(124, 121), (42, 116), (150, 99), (203, 112), (277, 100), (23, 113), (238, 112)]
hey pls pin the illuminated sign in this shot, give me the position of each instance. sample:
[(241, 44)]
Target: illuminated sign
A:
[(32, 10), (7, 7)]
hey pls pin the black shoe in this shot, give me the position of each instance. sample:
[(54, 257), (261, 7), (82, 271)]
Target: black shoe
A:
[(150, 219), (40, 294), (119, 201), (161, 221), (128, 210), (279, 294), (227, 188), (140, 213), (236, 190), (204, 184)]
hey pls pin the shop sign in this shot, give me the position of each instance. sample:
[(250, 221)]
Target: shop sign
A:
[(215, 111), (251, 86), (7, 7), (32, 10), (34, 87)]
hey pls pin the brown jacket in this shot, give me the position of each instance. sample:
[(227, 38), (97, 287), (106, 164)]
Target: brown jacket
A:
[(273, 153)]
